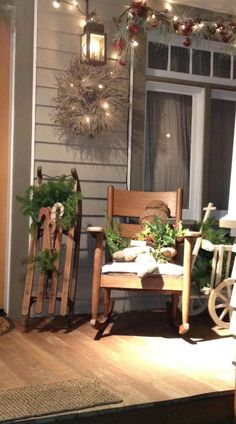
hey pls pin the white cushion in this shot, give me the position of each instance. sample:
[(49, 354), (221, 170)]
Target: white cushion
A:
[(135, 268)]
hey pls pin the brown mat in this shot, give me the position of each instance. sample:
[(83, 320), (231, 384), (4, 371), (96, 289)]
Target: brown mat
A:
[(5, 325), (49, 399)]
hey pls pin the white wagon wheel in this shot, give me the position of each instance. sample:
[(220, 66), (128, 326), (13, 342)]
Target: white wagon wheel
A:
[(219, 303), (198, 304)]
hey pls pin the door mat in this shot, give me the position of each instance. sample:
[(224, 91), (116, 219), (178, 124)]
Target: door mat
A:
[(6, 325), (50, 399)]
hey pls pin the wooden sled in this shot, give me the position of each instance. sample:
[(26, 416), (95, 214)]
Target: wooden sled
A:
[(46, 289)]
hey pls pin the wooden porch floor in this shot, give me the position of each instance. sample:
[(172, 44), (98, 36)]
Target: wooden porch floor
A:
[(140, 358)]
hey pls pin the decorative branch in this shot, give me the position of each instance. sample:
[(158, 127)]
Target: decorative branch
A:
[(139, 18)]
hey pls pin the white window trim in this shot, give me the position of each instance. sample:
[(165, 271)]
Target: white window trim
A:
[(197, 135), (207, 45)]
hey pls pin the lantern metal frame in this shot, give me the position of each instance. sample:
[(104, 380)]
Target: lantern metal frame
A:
[(92, 29)]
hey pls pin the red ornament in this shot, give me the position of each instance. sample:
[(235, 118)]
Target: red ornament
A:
[(149, 238), (140, 9), (134, 29), (119, 44), (186, 28), (187, 42), (121, 62), (225, 38)]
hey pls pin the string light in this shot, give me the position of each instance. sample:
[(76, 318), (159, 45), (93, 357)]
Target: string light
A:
[(168, 7), (139, 18), (105, 105), (56, 4)]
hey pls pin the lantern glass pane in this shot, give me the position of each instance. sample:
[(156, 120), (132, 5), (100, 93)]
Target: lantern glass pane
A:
[(97, 47)]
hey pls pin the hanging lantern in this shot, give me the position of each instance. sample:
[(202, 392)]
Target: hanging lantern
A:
[(93, 44)]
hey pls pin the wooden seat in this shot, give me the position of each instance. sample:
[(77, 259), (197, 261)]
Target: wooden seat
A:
[(131, 204)]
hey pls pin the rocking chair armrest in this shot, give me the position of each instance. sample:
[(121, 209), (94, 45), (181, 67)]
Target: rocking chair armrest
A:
[(95, 230), (192, 234)]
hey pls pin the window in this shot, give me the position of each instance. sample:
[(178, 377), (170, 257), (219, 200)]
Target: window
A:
[(173, 142), (206, 61), (223, 108)]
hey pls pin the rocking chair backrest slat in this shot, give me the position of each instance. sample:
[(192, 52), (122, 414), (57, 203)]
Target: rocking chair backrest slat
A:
[(123, 203)]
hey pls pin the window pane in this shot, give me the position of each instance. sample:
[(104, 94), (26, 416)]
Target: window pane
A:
[(221, 147), (201, 62), (168, 142), (222, 64), (179, 59), (157, 56)]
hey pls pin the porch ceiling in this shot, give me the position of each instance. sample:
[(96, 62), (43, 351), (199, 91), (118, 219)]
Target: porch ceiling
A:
[(220, 6)]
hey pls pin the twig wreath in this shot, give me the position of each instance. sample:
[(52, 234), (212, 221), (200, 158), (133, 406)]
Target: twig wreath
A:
[(138, 18), (90, 99)]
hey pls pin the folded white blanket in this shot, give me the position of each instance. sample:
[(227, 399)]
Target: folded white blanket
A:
[(142, 269)]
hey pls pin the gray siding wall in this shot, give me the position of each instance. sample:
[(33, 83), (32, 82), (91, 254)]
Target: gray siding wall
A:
[(102, 160), (22, 152)]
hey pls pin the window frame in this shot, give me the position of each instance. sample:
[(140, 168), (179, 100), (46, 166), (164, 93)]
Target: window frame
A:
[(206, 45), (197, 141)]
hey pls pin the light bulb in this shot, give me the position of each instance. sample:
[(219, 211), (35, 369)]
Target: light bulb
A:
[(56, 4), (75, 2), (168, 7), (87, 119), (134, 43), (105, 105), (100, 86), (175, 18), (82, 23)]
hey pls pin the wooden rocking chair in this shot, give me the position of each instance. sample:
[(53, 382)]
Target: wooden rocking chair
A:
[(131, 204)]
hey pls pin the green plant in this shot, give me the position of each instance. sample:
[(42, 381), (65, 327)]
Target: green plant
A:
[(47, 194), (161, 234), (46, 260), (216, 235), (113, 239), (157, 233), (201, 274)]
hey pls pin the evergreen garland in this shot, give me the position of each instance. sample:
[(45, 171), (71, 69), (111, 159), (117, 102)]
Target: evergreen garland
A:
[(201, 274), (138, 18), (46, 260), (46, 195)]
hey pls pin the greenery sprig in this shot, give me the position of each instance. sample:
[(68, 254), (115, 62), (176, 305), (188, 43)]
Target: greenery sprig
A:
[(46, 260), (139, 18), (46, 195), (114, 240), (160, 234), (201, 274)]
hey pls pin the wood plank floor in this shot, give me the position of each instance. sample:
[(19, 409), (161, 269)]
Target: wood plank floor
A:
[(140, 357)]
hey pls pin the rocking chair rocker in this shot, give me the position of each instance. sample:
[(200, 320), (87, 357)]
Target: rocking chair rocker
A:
[(131, 204)]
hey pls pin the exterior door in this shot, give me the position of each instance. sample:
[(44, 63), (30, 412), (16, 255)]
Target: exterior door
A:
[(5, 46)]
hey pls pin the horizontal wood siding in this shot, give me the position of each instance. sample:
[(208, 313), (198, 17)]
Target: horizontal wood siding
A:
[(99, 161)]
